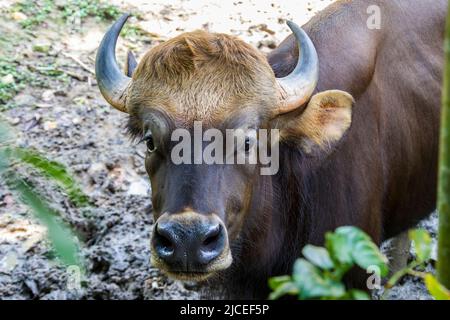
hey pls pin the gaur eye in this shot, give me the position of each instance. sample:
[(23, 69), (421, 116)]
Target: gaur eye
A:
[(150, 143)]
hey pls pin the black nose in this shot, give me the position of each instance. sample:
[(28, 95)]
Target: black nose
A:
[(188, 246)]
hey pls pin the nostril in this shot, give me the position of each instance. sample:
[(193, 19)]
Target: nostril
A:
[(212, 245), (163, 241), (212, 236)]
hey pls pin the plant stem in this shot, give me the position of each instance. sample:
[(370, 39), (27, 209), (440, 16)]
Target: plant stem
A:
[(443, 264), (409, 269)]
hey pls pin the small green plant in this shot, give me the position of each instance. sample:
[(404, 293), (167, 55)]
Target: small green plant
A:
[(36, 11), (422, 244), (63, 240), (319, 274), (11, 80), (93, 8), (132, 31), (14, 77)]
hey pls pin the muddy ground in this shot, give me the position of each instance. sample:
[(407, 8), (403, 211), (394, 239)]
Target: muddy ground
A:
[(57, 109)]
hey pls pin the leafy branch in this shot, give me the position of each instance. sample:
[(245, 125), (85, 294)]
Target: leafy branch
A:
[(63, 240), (422, 244), (319, 274)]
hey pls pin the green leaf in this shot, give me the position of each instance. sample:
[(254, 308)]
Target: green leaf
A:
[(422, 244), (63, 241), (318, 256), (437, 290), (275, 282), (286, 288), (311, 283), (358, 294), (367, 254), (339, 247), (54, 170), (351, 245)]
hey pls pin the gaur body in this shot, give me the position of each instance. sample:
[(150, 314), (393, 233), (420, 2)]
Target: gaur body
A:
[(358, 115)]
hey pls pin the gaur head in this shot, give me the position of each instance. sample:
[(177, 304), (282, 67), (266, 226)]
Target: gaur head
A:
[(219, 80)]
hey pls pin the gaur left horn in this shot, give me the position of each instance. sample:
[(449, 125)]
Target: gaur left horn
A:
[(297, 87), (112, 82)]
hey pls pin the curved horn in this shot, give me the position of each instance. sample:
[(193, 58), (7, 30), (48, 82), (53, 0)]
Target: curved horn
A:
[(111, 81), (299, 85)]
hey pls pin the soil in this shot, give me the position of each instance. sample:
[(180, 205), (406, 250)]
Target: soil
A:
[(66, 118)]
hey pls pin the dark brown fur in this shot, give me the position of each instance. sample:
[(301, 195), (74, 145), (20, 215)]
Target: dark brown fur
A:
[(382, 176)]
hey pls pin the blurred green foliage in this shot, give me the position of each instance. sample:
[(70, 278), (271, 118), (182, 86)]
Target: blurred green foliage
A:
[(436, 289), (36, 11), (14, 77), (64, 242), (319, 275), (17, 80), (422, 245), (443, 203), (39, 11), (93, 8)]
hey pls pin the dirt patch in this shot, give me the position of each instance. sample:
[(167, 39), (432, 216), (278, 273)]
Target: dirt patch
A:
[(58, 110)]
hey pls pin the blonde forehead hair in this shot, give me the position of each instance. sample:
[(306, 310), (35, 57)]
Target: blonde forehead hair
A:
[(199, 75)]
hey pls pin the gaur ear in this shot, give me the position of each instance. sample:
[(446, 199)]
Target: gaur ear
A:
[(131, 64), (323, 122)]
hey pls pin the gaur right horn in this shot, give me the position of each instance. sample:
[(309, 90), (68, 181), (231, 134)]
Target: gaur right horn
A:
[(112, 82)]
